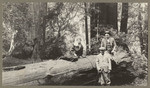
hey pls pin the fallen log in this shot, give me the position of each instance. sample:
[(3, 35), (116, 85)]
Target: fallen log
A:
[(81, 72), (54, 72)]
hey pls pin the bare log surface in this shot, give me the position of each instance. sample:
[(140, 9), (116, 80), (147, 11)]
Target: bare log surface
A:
[(48, 72)]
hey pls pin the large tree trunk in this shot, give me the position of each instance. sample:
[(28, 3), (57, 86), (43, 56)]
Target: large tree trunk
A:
[(104, 14), (124, 18), (43, 14), (92, 21), (40, 12), (108, 14), (35, 54), (140, 29), (86, 27)]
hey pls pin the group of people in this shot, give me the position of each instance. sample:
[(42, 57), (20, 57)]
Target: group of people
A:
[(103, 60)]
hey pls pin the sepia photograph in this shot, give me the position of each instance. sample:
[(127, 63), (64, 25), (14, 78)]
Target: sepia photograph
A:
[(74, 44)]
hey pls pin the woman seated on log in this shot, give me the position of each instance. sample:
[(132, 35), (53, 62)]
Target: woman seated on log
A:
[(78, 48), (76, 51)]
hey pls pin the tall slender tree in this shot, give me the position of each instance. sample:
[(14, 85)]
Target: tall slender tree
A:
[(140, 27), (86, 26), (124, 18)]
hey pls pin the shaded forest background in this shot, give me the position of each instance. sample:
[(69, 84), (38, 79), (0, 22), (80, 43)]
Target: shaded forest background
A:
[(33, 32)]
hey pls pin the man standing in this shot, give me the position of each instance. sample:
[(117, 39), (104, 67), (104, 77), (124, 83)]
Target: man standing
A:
[(103, 64)]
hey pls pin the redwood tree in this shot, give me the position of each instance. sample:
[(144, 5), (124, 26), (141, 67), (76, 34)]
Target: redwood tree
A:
[(86, 25), (40, 11), (104, 14), (124, 18)]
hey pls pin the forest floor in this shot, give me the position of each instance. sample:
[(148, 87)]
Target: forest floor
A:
[(11, 61)]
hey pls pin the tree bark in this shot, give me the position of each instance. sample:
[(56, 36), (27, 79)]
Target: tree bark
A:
[(140, 29), (86, 26), (112, 15), (12, 45), (104, 14), (43, 12), (92, 21), (40, 13), (124, 18), (55, 72)]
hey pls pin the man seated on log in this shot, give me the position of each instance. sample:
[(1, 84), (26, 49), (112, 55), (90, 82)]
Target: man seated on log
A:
[(109, 43), (103, 65)]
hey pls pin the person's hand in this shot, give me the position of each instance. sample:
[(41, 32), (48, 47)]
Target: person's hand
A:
[(83, 56), (100, 70), (113, 52), (108, 70)]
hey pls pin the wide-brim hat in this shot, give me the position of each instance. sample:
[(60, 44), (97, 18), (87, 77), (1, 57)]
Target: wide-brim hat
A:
[(102, 48), (76, 44), (107, 32)]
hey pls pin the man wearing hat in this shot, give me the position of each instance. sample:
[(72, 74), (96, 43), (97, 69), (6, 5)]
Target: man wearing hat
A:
[(103, 64), (103, 61), (109, 43)]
